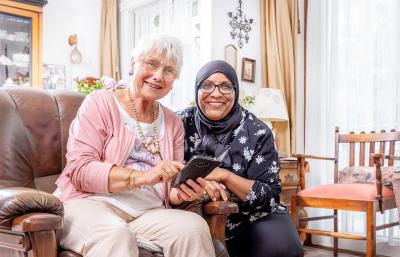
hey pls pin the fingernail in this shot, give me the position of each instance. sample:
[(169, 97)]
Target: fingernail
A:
[(214, 199)]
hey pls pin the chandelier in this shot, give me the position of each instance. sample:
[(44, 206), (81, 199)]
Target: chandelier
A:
[(240, 25)]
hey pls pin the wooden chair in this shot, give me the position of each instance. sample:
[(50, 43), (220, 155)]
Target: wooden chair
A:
[(368, 198)]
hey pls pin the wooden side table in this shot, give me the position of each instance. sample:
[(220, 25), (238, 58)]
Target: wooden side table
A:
[(290, 180)]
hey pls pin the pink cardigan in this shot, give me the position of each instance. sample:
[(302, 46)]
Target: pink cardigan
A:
[(98, 140)]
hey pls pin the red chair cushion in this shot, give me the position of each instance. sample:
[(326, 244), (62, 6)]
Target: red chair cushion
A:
[(346, 191)]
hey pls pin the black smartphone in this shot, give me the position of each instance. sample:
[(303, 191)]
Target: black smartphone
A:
[(197, 166)]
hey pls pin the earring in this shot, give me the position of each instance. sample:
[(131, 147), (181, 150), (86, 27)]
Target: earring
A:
[(131, 70)]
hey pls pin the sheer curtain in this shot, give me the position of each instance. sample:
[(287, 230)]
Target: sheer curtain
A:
[(179, 18), (353, 81)]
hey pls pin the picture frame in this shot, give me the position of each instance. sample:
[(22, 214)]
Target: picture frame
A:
[(248, 69), (54, 76), (231, 55)]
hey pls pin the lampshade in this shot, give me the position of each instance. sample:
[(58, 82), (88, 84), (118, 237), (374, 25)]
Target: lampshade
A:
[(270, 104)]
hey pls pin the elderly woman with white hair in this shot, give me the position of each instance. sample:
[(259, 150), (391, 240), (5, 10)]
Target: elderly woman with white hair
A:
[(123, 150)]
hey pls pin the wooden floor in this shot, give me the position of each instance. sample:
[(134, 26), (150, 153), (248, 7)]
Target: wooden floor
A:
[(316, 252), (313, 252)]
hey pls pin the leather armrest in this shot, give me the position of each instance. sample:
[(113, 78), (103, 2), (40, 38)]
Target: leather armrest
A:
[(37, 222), (18, 201), (307, 156), (220, 207)]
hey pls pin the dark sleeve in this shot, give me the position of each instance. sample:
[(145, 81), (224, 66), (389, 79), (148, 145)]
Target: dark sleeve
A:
[(264, 169)]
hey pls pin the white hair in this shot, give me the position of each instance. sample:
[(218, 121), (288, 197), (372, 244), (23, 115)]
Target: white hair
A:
[(169, 46)]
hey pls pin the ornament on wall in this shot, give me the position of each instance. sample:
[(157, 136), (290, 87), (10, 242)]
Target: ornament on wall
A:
[(75, 57), (240, 25)]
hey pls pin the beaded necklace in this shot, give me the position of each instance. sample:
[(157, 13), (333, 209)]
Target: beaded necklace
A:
[(154, 146)]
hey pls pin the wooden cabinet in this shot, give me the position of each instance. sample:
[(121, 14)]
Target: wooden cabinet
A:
[(21, 42), (290, 179)]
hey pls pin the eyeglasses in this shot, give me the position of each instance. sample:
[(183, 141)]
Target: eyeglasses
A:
[(152, 65), (208, 87)]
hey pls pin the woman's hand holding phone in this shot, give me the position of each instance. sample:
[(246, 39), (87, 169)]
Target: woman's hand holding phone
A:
[(192, 190)]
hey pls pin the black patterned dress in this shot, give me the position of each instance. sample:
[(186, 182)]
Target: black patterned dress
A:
[(254, 156)]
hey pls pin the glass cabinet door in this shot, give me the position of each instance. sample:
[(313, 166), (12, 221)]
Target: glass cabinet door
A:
[(15, 50)]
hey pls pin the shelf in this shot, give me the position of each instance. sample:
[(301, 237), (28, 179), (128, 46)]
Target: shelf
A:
[(15, 41), (16, 66), (21, 32)]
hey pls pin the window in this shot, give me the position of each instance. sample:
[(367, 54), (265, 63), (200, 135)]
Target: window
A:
[(353, 81), (179, 18)]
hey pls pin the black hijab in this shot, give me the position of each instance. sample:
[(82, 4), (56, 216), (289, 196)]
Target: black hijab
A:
[(217, 131)]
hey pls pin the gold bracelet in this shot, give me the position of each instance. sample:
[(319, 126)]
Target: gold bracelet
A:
[(127, 179), (131, 179)]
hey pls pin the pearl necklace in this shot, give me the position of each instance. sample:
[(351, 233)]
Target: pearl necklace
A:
[(153, 147)]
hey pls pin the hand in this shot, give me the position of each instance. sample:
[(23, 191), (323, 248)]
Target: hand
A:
[(164, 171), (190, 191), (214, 189), (218, 174)]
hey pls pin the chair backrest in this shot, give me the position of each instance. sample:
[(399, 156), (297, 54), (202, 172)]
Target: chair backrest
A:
[(377, 142), (34, 128)]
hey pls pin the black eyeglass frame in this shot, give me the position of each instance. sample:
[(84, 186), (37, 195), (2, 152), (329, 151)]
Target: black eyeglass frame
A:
[(216, 86)]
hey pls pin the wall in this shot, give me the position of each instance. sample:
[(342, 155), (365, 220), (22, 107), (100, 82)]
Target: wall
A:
[(220, 36), (62, 18)]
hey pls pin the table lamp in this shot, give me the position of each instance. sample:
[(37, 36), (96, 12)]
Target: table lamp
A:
[(269, 105)]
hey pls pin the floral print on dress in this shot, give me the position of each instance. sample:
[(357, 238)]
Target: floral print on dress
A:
[(243, 140), (236, 166), (247, 153), (195, 139), (259, 159), (274, 168)]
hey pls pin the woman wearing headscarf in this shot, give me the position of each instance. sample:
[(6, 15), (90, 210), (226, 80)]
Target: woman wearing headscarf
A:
[(219, 127), (123, 149)]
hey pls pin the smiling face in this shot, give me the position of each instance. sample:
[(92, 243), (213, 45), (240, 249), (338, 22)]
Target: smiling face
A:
[(153, 75), (215, 105)]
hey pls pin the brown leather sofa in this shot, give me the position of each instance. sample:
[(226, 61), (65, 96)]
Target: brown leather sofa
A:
[(34, 128)]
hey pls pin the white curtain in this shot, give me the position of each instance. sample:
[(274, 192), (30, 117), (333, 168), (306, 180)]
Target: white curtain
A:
[(179, 18), (353, 81)]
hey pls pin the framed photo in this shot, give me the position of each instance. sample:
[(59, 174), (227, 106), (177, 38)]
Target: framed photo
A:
[(231, 55), (54, 76), (248, 69)]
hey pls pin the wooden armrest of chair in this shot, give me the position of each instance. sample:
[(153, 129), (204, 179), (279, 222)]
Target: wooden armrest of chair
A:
[(28, 220), (16, 202), (37, 222), (305, 167), (216, 214), (378, 160), (307, 156), (220, 207)]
